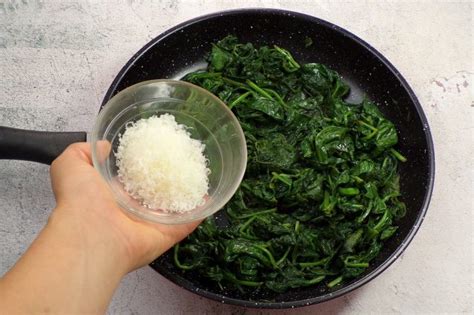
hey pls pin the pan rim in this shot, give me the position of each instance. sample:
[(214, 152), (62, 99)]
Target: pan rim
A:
[(428, 138)]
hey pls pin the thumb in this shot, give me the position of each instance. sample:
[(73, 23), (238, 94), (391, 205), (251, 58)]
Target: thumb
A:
[(75, 165)]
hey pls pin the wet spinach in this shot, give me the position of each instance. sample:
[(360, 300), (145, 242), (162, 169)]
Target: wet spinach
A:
[(321, 191)]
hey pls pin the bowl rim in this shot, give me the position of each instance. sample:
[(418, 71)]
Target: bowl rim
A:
[(182, 282), (171, 218)]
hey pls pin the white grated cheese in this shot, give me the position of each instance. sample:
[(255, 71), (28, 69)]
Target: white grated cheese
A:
[(160, 164)]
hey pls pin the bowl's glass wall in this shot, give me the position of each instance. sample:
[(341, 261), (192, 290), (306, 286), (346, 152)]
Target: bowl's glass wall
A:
[(208, 119)]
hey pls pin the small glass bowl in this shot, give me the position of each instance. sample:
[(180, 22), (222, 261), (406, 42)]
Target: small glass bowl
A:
[(209, 120)]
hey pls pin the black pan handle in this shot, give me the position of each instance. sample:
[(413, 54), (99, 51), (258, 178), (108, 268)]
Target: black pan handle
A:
[(36, 146)]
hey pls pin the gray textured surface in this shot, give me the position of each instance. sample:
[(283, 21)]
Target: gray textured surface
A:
[(57, 58)]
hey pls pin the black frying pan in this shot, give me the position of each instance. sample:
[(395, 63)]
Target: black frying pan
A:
[(183, 48)]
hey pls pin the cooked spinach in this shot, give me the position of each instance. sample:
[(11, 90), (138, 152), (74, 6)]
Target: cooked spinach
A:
[(321, 190)]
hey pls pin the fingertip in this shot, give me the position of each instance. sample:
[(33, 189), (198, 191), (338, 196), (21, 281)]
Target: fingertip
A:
[(104, 144)]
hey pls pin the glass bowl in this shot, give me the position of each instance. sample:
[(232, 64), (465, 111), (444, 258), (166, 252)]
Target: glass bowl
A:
[(208, 119)]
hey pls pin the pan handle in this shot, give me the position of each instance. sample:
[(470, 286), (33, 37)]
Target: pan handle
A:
[(36, 146)]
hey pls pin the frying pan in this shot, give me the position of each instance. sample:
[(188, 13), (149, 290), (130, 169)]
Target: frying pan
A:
[(183, 49)]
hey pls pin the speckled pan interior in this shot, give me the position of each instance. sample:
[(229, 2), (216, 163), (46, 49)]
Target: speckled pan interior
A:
[(183, 49)]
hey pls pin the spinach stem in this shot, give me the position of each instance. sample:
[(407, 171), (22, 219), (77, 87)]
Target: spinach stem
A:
[(291, 61), (246, 224), (389, 196), (297, 226), (316, 280), (363, 123), (257, 213), (269, 255), (258, 89), (348, 191), (176, 259), (277, 96), (247, 283), (374, 130), (357, 265), (282, 259), (239, 99), (206, 74), (381, 222), (398, 155), (365, 214), (235, 83), (334, 282), (286, 179), (315, 263)]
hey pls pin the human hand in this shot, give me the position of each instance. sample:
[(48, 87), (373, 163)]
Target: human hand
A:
[(87, 246), (86, 206)]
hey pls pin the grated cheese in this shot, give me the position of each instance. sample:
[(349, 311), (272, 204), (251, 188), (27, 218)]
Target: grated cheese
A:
[(160, 164)]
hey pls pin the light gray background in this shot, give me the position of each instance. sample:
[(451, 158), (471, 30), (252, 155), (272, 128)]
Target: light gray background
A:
[(57, 58)]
